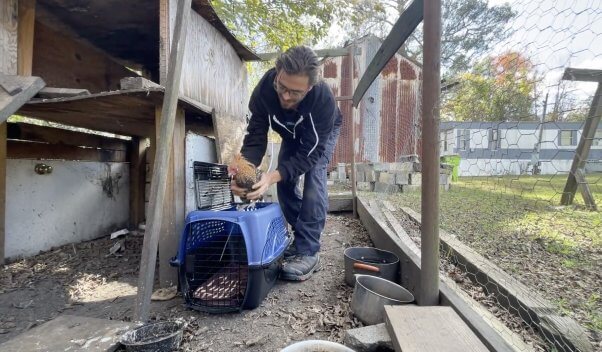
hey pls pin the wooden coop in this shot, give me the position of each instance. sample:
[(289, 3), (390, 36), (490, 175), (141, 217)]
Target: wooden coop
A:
[(102, 63)]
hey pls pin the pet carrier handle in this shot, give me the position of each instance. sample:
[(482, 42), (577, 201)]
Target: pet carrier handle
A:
[(174, 261)]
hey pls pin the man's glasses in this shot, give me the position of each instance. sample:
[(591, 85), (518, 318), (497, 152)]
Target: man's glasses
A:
[(295, 94)]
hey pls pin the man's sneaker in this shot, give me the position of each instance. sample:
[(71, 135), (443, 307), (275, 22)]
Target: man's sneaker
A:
[(290, 251), (300, 267)]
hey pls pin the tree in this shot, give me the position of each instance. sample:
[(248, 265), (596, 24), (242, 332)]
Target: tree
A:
[(277, 25), (500, 88), (470, 27)]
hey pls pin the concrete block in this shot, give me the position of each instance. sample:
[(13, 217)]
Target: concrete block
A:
[(417, 167), (410, 188), (381, 187), (329, 182), (407, 167), (415, 179), (342, 172), (402, 178), (386, 177), (381, 167), (444, 179), (369, 339), (334, 175), (365, 186), (360, 177), (409, 158), (371, 176)]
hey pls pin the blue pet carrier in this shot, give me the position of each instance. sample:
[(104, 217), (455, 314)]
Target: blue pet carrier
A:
[(229, 260)]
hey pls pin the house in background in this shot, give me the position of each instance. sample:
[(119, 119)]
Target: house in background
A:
[(513, 148), (387, 121), (96, 183)]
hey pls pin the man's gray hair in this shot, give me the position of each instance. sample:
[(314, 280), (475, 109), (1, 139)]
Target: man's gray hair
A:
[(299, 60)]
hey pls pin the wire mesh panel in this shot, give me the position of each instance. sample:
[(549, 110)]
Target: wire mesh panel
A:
[(521, 165), (212, 186), (216, 266)]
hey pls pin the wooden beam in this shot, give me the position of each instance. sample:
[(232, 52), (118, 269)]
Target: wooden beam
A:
[(29, 150), (138, 150), (582, 75), (52, 93), (161, 165), (401, 31), (137, 83), (586, 193), (8, 36), (170, 237), (2, 190), (27, 17), (43, 134), (10, 103), (582, 152)]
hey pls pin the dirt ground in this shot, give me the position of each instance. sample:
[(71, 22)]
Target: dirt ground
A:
[(85, 280)]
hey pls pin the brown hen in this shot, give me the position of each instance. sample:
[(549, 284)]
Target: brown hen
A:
[(246, 173)]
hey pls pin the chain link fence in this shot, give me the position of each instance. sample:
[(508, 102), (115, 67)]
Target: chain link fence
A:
[(521, 170)]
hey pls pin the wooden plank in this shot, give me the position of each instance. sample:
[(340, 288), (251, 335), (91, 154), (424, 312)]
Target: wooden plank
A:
[(161, 165), (582, 75), (585, 144), (9, 104), (137, 83), (2, 190), (137, 180), (29, 150), (28, 132), (586, 193), (519, 299), (27, 17), (66, 62), (8, 36), (52, 93), (409, 256), (401, 31), (125, 112), (418, 329)]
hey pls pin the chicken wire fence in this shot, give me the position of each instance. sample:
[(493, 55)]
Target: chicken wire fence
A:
[(521, 174)]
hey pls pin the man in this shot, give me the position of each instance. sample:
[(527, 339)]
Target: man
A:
[(292, 100)]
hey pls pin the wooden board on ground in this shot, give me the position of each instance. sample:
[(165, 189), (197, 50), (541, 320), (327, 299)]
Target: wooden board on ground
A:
[(70, 333), (421, 329), (12, 98)]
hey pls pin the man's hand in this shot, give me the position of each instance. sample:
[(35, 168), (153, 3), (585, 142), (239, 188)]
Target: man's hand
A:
[(267, 179), (237, 191)]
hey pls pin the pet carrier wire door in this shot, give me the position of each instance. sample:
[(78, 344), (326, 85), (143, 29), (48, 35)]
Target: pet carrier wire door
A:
[(228, 260), (212, 186)]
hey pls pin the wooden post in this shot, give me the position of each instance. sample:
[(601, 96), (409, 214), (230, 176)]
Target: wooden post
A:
[(138, 149), (2, 189), (351, 56), (27, 17), (429, 274), (161, 163), (585, 143), (174, 206)]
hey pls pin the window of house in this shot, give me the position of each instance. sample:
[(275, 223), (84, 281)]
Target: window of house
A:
[(494, 139), (464, 139), (597, 138), (567, 138), (443, 140)]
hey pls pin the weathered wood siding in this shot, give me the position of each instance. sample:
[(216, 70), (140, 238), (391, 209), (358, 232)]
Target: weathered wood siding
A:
[(214, 75), (8, 36)]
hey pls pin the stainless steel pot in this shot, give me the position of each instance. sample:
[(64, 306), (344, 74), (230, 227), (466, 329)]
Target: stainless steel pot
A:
[(372, 293), (370, 261)]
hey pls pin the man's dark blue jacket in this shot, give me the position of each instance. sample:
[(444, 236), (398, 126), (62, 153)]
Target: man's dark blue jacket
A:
[(304, 130)]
